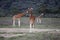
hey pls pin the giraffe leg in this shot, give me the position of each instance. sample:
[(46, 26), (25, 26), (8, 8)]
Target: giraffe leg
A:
[(19, 22), (33, 26), (30, 27), (13, 22), (39, 20)]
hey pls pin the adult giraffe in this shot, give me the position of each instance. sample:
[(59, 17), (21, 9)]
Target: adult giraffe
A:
[(18, 17), (31, 18)]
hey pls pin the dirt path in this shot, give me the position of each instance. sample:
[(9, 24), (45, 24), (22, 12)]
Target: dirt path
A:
[(9, 30), (26, 30)]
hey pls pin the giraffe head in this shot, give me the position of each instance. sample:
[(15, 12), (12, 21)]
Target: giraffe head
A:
[(30, 9)]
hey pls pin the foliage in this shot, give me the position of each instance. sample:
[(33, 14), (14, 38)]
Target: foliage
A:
[(42, 8), (11, 7)]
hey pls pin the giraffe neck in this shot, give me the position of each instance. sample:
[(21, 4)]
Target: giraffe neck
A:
[(30, 14)]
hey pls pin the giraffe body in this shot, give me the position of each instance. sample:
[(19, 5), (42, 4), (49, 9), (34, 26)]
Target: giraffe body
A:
[(32, 21), (18, 17)]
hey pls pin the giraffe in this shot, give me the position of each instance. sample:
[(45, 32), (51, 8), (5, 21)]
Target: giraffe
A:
[(39, 18), (18, 17), (31, 18)]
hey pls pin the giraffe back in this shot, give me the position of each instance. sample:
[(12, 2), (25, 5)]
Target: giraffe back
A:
[(18, 16)]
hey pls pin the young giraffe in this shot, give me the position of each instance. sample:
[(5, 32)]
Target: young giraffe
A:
[(32, 18), (39, 18), (18, 17)]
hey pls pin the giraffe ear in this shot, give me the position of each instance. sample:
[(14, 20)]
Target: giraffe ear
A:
[(31, 8)]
